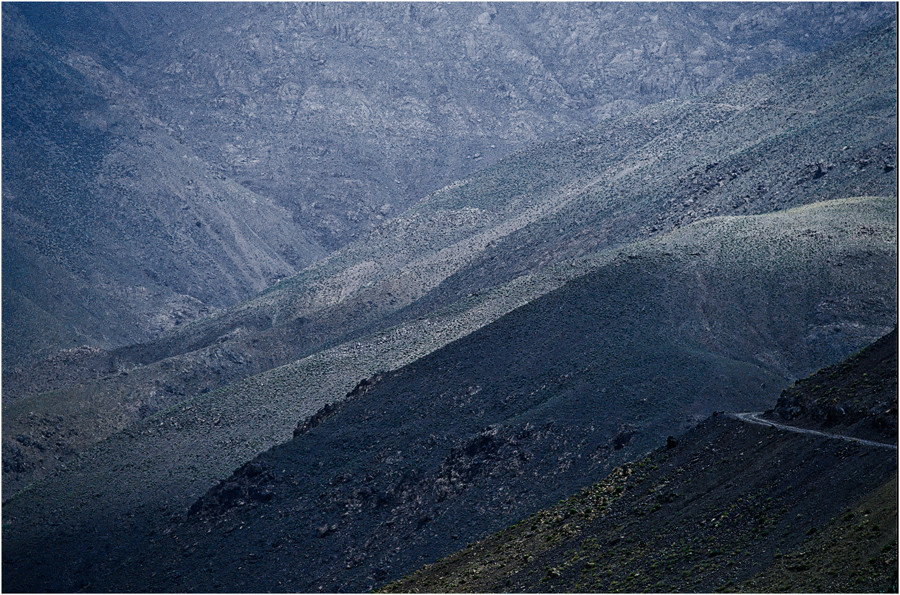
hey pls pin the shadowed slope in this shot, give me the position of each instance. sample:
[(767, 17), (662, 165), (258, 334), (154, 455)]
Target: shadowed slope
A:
[(857, 396), (720, 505)]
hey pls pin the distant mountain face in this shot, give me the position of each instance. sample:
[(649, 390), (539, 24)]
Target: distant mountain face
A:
[(113, 228), (155, 169), (346, 113)]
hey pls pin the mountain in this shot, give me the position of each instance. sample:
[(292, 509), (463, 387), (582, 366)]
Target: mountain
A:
[(728, 506), (503, 236), (156, 171), (487, 429), (113, 229), (554, 314)]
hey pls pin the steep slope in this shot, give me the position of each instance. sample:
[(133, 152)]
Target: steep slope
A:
[(461, 443), (347, 113), (539, 210), (857, 396), (855, 553), (155, 171), (113, 229), (727, 506), (752, 148)]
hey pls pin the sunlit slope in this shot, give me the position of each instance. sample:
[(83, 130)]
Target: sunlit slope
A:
[(822, 128)]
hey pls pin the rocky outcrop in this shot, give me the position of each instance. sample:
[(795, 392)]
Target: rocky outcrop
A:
[(330, 409), (251, 484)]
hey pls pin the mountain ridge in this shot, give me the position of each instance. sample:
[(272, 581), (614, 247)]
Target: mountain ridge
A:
[(452, 242), (562, 393), (499, 348)]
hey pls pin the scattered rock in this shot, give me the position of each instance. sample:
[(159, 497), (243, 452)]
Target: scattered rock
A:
[(252, 483), (623, 437)]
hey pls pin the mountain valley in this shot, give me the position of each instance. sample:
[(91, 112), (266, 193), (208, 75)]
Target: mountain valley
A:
[(544, 209), (633, 325), (158, 171)]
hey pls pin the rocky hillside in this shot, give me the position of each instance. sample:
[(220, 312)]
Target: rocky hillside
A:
[(751, 148), (156, 171), (855, 552), (729, 506), (346, 114), (804, 133), (578, 380), (114, 229), (630, 279), (857, 396)]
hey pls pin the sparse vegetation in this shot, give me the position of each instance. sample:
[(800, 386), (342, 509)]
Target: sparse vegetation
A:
[(538, 324)]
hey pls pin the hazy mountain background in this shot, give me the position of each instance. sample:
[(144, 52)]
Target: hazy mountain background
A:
[(162, 161)]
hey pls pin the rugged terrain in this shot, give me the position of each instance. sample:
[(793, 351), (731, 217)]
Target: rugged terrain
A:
[(578, 380), (155, 171), (806, 133), (551, 315), (857, 396), (728, 506)]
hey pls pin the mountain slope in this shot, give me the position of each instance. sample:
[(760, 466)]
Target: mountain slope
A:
[(340, 111), (857, 396), (156, 171), (752, 148), (578, 380), (832, 562), (748, 149), (547, 208), (727, 506), (114, 229), (173, 449)]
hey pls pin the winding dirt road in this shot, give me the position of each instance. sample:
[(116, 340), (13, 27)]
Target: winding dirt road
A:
[(753, 418)]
